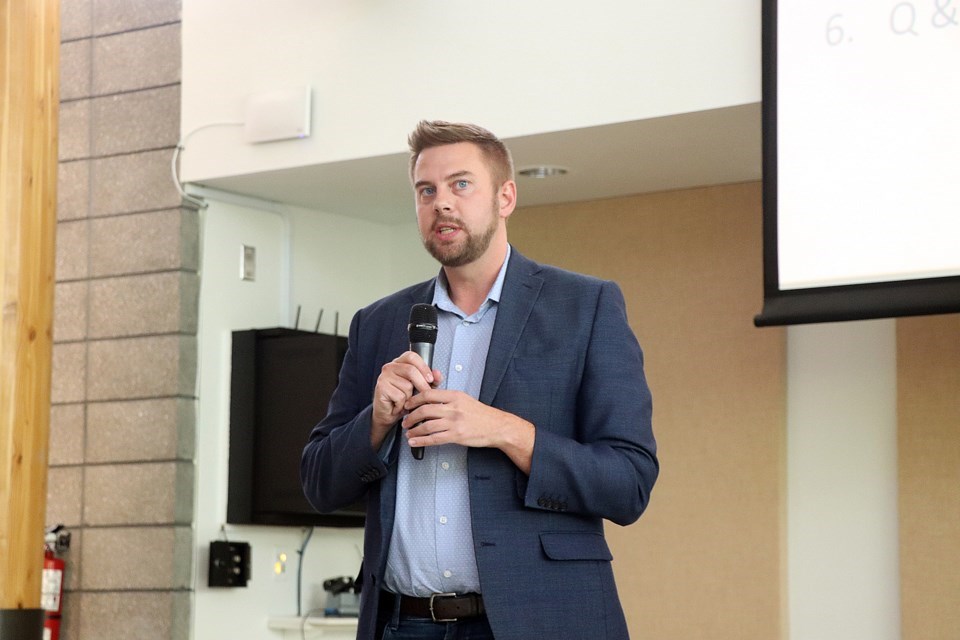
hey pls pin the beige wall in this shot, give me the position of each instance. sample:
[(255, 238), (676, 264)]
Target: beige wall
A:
[(706, 559), (928, 398)]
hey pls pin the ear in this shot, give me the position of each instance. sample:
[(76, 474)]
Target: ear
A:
[(507, 198)]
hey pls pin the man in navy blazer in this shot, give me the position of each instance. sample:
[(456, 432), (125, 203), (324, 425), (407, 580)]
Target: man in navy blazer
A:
[(552, 436)]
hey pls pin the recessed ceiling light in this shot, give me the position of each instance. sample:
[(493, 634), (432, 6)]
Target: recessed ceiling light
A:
[(542, 171)]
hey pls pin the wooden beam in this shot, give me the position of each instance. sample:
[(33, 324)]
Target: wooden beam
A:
[(29, 106)]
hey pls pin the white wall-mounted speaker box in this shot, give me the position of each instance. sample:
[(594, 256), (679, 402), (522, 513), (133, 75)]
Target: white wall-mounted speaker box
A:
[(282, 114)]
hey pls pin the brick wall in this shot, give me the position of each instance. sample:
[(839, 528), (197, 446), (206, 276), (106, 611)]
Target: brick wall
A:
[(124, 364)]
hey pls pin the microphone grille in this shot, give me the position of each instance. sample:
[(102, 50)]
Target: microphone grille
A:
[(423, 323)]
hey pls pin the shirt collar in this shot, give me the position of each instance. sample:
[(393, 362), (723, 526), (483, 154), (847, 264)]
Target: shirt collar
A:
[(441, 293)]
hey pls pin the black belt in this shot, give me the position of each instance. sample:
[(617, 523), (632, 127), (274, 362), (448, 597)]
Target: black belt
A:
[(443, 607)]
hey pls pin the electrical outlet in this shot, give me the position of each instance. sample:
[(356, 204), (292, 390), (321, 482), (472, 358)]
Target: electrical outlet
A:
[(248, 262), (281, 565)]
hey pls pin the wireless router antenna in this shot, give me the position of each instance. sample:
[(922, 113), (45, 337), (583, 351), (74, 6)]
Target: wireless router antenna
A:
[(316, 329)]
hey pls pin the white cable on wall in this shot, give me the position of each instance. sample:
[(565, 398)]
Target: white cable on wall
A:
[(181, 145)]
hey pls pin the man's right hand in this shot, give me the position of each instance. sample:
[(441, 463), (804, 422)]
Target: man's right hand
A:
[(399, 380)]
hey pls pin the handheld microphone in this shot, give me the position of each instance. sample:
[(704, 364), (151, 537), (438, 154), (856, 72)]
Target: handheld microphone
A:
[(423, 335)]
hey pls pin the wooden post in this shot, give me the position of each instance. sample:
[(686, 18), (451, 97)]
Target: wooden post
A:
[(29, 107)]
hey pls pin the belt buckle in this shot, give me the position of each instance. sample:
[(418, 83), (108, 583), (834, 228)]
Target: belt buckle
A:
[(433, 615)]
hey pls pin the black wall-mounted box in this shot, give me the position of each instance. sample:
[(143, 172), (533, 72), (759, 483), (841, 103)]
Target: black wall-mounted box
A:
[(229, 564), (281, 383)]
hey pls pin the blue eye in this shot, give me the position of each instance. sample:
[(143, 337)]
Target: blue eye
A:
[(462, 184), (427, 191)]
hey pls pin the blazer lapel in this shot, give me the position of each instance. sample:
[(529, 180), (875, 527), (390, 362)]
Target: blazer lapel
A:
[(521, 288)]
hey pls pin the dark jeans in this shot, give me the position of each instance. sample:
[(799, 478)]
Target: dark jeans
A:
[(402, 627)]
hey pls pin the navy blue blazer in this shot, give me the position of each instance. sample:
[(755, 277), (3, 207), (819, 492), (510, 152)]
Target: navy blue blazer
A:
[(561, 356)]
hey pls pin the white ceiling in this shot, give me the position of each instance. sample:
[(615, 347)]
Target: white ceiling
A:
[(719, 146)]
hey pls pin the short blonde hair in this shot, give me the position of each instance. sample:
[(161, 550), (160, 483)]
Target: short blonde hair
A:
[(435, 133)]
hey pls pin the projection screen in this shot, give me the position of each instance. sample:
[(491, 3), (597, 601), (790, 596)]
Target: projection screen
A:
[(861, 135)]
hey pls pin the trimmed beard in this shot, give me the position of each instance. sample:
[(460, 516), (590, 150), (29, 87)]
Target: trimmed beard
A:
[(470, 250)]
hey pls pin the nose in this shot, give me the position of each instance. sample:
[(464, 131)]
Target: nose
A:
[(442, 203)]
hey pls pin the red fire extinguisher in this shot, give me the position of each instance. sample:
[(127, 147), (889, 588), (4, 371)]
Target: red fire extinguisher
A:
[(56, 541)]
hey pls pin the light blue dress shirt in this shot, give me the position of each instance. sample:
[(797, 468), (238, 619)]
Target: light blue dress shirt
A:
[(431, 550)]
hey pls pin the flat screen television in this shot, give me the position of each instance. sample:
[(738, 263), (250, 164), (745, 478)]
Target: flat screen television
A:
[(281, 383)]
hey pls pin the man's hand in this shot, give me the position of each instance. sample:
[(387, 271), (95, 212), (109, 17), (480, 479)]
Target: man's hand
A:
[(398, 382), (443, 417)]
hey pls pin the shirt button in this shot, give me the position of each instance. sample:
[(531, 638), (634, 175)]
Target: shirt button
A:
[(459, 367), (445, 465), (443, 520), (447, 573), (465, 323)]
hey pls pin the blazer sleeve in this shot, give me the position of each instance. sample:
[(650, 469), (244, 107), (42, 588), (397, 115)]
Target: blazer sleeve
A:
[(606, 465), (338, 463)]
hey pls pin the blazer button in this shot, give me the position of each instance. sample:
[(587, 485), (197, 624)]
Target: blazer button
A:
[(542, 502)]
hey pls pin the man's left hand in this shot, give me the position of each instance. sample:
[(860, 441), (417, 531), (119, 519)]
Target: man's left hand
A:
[(442, 416)]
